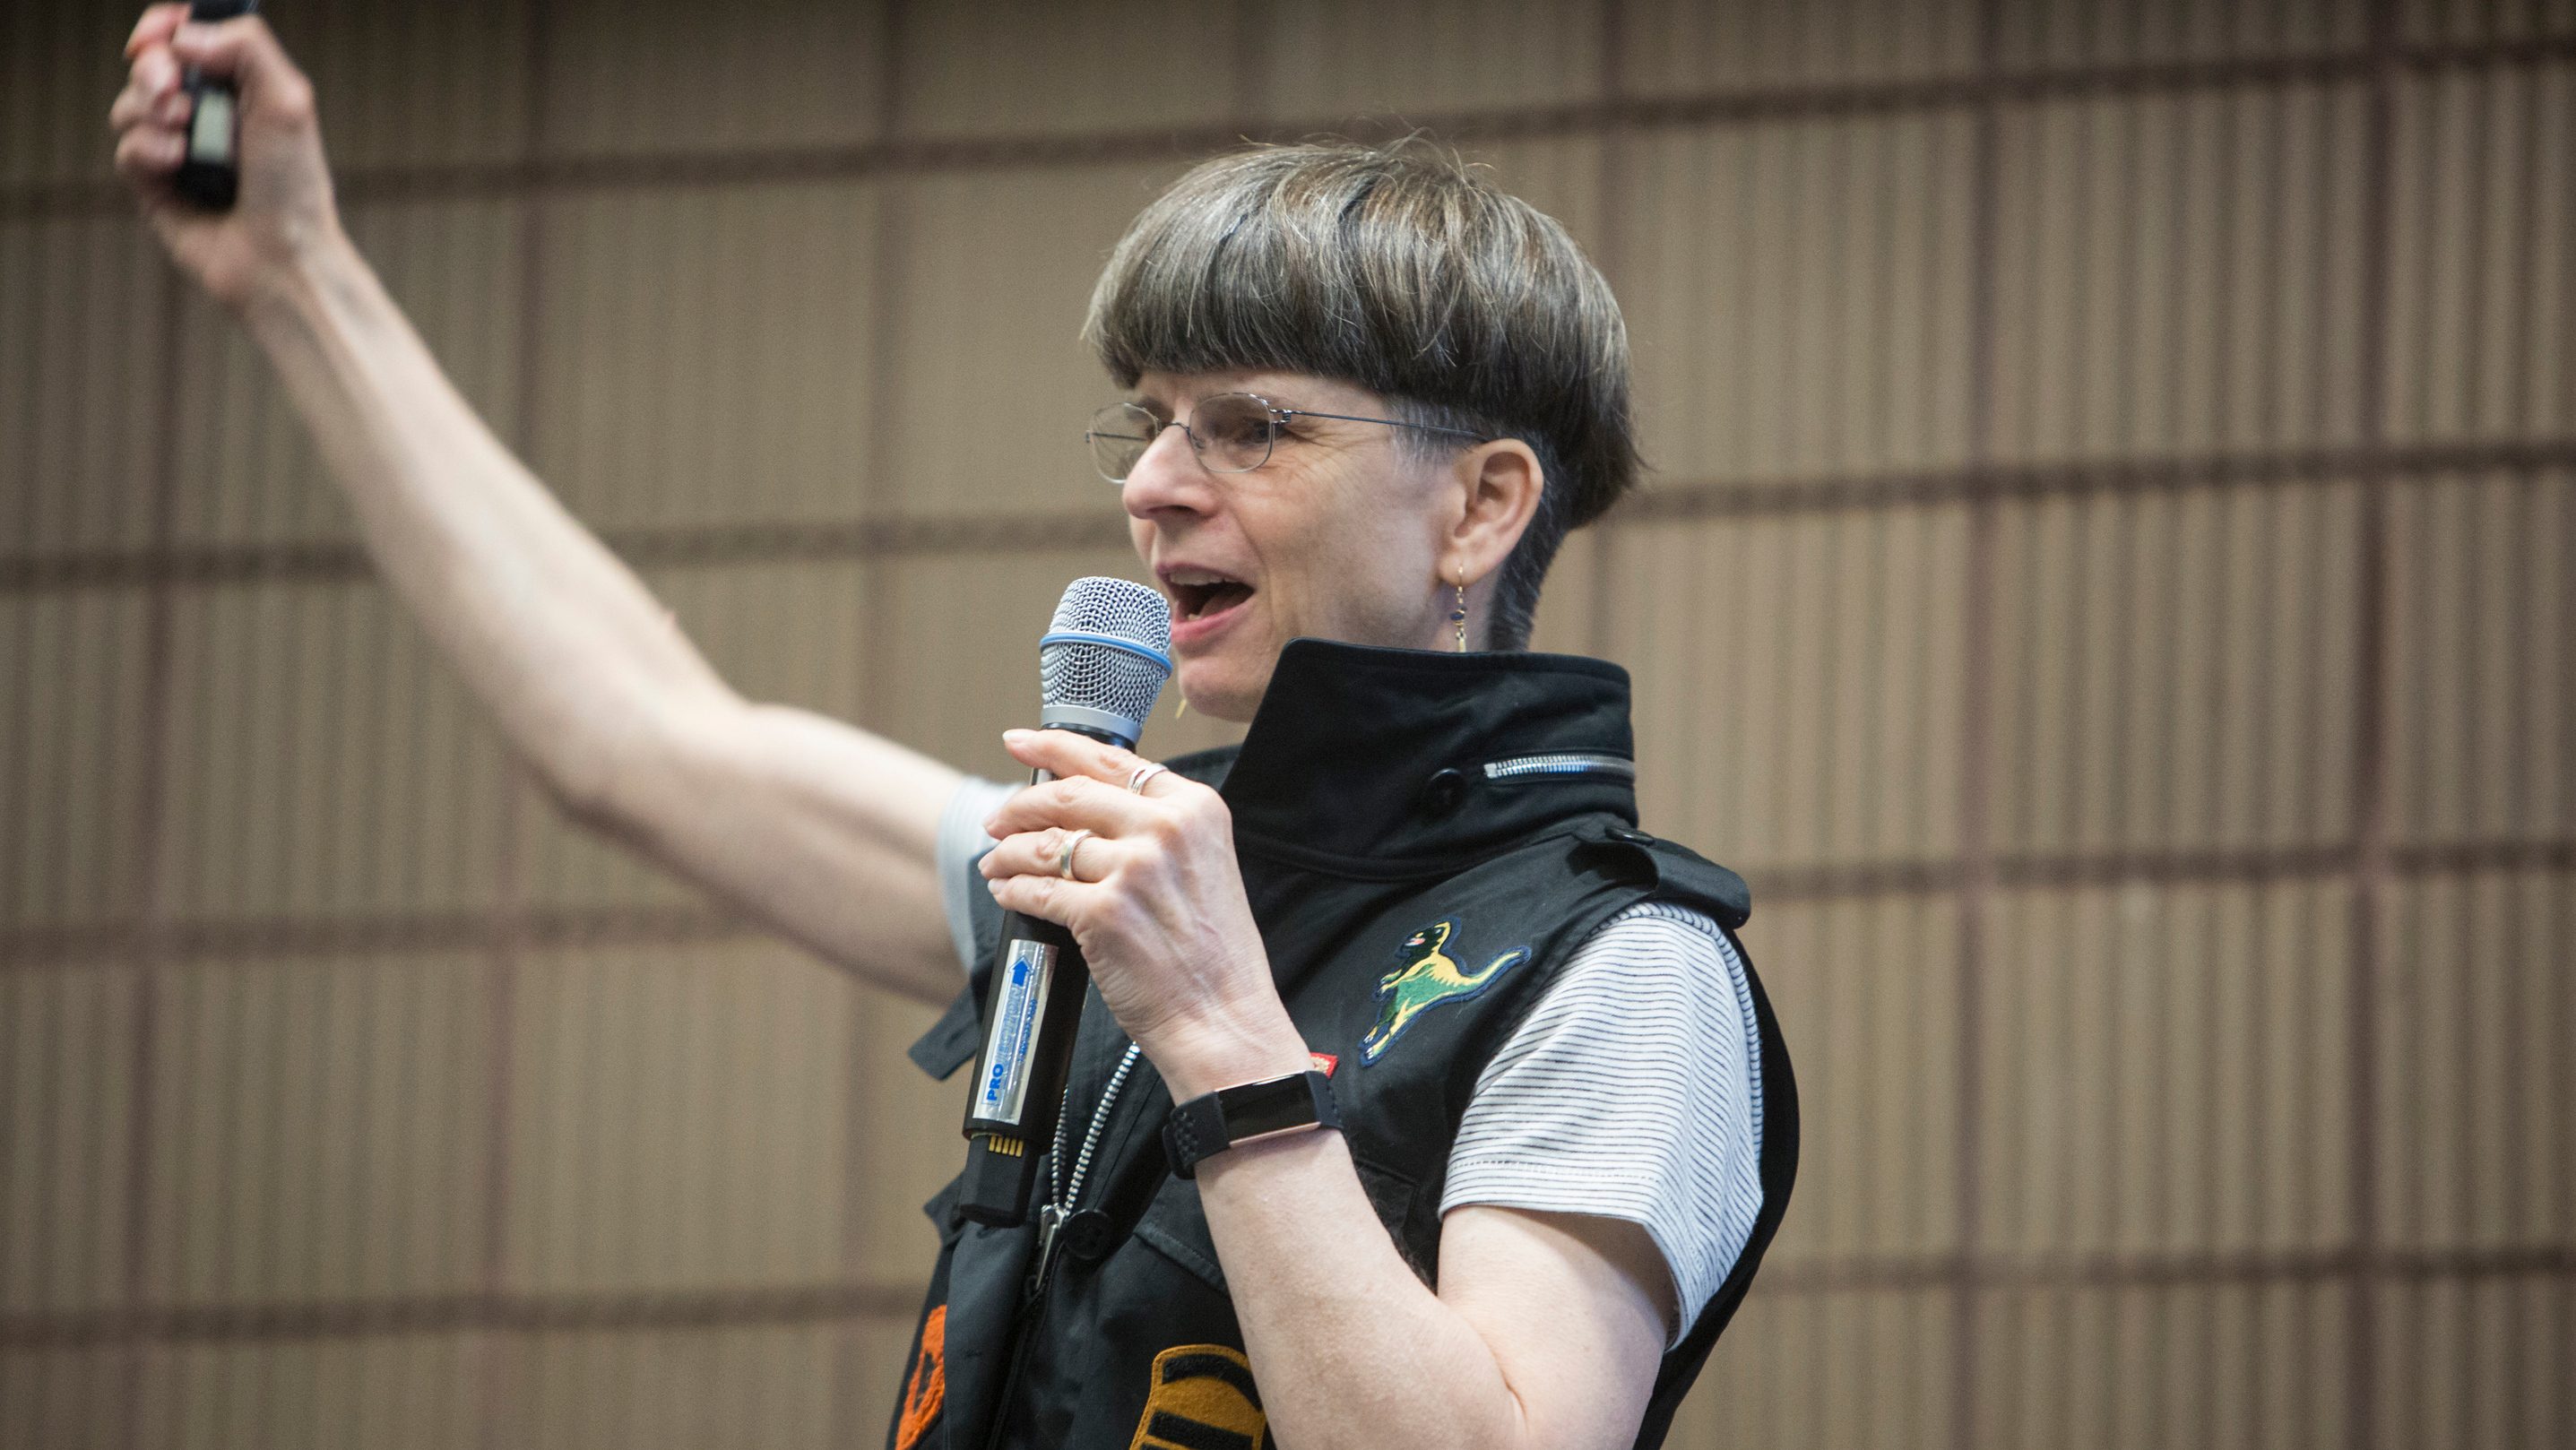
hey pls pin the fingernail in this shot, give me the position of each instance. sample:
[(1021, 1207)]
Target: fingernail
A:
[(1015, 736)]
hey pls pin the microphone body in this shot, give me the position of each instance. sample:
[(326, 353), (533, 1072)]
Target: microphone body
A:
[(209, 175), (1101, 665)]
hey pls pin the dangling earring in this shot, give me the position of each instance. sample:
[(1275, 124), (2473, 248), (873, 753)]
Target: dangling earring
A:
[(1458, 612)]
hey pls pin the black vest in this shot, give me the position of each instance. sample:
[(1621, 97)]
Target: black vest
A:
[(1415, 904)]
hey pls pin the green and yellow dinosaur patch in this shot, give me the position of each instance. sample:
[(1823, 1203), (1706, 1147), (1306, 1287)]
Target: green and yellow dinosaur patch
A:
[(1426, 977)]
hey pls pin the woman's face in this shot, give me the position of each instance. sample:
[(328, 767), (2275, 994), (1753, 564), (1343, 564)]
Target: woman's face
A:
[(1341, 535)]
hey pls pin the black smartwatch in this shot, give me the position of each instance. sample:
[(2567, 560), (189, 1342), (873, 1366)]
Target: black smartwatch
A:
[(1205, 1126)]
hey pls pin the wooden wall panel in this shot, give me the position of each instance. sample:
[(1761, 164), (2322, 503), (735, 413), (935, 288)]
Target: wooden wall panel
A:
[(67, 1087), (2475, 1364), (247, 473), (414, 85), (1798, 686), (69, 1397), (695, 1389), (2165, 1070), (72, 752), (988, 291), (2482, 699), (678, 1120), (1865, 989), (2462, 22), (749, 76), (708, 355), (2484, 257), (2178, 1367), (906, 1139), (2174, 671), (1797, 296), (2179, 274), (318, 1129), (82, 318), (1858, 1370), (399, 1392), (322, 760), (1564, 177), (2055, 33), (60, 67), (1072, 65), (2477, 1095), (1339, 58), (1684, 46)]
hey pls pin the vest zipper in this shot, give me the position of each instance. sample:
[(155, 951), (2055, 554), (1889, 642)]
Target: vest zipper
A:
[(1523, 769), (1051, 1217)]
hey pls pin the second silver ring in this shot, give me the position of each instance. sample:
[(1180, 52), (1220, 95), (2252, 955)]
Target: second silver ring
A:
[(1064, 858)]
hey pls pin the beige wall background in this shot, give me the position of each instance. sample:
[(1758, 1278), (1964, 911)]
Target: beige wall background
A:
[(2107, 584)]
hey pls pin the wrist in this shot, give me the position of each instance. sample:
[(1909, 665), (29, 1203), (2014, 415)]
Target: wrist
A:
[(296, 291), (1201, 1057)]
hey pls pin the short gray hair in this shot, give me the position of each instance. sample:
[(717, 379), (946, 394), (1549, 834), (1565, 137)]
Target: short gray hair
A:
[(1399, 269)]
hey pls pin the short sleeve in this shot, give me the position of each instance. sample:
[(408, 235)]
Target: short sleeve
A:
[(974, 920), (1631, 1091)]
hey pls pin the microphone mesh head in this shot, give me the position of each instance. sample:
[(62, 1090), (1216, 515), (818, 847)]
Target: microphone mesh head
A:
[(1106, 654)]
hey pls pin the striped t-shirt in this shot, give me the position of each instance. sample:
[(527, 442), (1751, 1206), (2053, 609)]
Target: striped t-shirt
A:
[(1631, 1091)]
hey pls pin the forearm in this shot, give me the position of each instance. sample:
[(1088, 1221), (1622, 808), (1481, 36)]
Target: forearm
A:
[(558, 637), (1349, 1347)]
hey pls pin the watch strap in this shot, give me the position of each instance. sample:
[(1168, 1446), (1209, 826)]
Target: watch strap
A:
[(1206, 1126)]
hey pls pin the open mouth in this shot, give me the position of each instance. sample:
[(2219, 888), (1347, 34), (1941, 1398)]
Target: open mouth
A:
[(1201, 594)]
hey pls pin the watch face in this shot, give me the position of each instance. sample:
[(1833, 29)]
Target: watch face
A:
[(1267, 1107)]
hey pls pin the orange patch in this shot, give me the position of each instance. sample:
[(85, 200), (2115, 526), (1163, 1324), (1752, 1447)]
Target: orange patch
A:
[(927, 1390)]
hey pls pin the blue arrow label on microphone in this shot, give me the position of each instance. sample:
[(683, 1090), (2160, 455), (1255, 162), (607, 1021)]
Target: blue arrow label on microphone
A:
[(1025, 975)]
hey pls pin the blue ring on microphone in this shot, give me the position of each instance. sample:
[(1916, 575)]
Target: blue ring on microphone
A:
[(1075, 636)]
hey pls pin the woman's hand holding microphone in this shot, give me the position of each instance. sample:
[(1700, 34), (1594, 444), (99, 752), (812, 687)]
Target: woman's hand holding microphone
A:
[(285, 216), (1156, 900)]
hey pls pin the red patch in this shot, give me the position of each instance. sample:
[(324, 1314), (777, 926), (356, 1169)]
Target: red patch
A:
[(1324, 1062)]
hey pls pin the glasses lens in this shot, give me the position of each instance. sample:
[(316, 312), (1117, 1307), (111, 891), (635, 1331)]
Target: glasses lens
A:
[(1233, 431), (1120, 434)]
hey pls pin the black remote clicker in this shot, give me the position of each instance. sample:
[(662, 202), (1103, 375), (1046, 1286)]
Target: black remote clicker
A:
[(210, 169)]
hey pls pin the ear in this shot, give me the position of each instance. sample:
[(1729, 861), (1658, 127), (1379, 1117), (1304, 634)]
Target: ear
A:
[(1498, 489)]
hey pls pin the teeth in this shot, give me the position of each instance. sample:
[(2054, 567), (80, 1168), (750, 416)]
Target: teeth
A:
[(1196, 578)]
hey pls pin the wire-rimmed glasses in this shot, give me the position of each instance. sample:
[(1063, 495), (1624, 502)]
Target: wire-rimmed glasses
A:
[(1230, 432)]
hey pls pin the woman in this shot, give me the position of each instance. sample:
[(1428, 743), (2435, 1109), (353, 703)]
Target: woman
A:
[(1367, 397)]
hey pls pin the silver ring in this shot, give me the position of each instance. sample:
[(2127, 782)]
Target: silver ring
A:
[(1064, 858), (1144, 773)]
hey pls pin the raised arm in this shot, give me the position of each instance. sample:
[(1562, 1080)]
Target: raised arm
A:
[(818, 829)]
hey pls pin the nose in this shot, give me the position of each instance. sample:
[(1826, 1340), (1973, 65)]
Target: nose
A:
[(1167, 478)]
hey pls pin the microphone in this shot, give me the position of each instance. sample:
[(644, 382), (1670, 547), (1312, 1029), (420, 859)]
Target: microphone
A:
[(1101, 664), (209, 175)]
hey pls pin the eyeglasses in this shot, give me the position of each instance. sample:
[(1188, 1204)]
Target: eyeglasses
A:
[(1230, 433)]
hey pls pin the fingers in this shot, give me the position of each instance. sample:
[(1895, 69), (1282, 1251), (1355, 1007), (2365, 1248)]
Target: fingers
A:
[(150, 116), (149, 155), (1072, 803), (1066, 753), (245, 51), (1048, 898), (1041, 853), (150, 100), (154, 28)]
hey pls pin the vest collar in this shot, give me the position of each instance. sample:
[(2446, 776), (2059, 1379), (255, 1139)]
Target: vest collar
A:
[(1374, 762)]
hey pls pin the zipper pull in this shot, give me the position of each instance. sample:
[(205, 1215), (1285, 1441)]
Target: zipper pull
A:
[(1050, 1221)]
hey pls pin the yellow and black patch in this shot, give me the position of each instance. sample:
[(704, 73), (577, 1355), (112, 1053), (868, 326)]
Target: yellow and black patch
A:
[(1202, 1398)]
